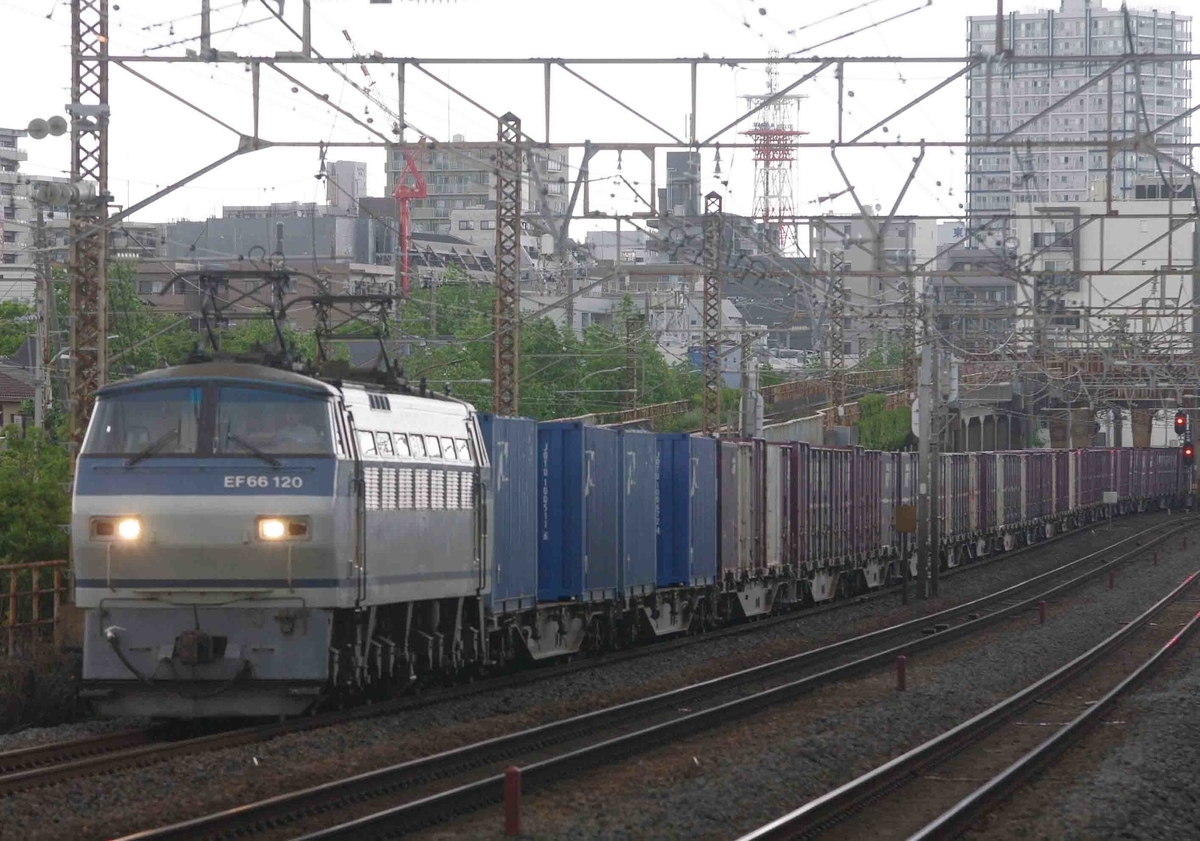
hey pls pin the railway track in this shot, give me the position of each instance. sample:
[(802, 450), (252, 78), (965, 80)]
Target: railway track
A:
[(932, 791), (414, 794), (60, 761)]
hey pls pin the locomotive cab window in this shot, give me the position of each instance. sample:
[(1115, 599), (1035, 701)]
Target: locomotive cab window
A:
[(448, 449), (401, 444), (271, 422), (366, 444), (417, 445), (383, 441), (464, 452), (147, 422), (432, 447)]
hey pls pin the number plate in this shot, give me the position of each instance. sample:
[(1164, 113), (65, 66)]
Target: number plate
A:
[(264, 482)]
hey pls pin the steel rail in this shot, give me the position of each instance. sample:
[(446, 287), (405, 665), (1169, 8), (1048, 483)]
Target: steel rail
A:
[(959, 818), (55, 762), (22, 759), (829, 808), (281, 810)]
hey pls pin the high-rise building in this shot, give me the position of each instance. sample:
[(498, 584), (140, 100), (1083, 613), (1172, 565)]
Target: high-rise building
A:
[(1119, 106), (345, 184), (458, 179), (18, 213)]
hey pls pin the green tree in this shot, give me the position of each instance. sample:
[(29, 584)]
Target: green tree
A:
[(34, 498), (880, 428), (12, 331)]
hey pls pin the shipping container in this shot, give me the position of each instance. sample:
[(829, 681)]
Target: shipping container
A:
[(578, 511), (737, 494), (513, 514), (639, 512), (687, 510)]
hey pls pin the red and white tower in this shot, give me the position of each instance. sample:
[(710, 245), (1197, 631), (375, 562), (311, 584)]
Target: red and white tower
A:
[(775, 137)]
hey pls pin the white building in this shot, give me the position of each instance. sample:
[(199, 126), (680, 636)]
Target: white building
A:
[(459, 178), (873, 306), (1102, 281), (1021, 88), (18, 215), (345, 184), (606, 245)]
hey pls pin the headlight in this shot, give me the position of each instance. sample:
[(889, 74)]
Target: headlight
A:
[(129, 528), (282, 528), (116, 528), (271, 529)]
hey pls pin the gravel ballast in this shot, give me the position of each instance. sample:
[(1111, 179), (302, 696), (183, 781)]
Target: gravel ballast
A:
[(1134, 777), (723, 783), (188, 786)]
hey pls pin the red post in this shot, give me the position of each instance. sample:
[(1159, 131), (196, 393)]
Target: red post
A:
[(1112, 577), (1041, 613), (1185, 541), (1156, 557), (900, 673), (512, 801)]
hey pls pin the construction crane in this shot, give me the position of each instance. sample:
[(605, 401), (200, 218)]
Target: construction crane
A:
[(409, 185)]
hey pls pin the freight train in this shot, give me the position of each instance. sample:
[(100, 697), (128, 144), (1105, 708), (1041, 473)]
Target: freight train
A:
[(250, 541)]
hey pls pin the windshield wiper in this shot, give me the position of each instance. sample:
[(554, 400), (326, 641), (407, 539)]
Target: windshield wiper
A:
[(255, 451), (153, 447)]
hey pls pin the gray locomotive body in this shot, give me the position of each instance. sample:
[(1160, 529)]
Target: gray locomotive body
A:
[(247, 539)]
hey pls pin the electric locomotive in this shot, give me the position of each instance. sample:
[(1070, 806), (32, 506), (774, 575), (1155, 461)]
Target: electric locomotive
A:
[(235, 555)]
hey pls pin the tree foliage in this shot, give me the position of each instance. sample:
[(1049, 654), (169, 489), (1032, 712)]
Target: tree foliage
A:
[(880, 428), (34, 500)]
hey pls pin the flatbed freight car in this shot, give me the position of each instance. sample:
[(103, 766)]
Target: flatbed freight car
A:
[(251, 541)]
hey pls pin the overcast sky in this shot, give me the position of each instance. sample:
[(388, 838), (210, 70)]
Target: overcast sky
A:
[(155, 140)]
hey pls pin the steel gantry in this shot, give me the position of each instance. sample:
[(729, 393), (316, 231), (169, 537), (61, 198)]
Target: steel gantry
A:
[(710, 339), (506, 322), (88, 219)]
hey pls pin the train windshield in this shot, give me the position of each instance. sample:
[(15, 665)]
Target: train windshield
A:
[(161, 421), (244, 421), (263, 421)]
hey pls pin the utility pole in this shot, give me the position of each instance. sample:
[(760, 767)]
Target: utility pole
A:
[(633, 328), (924, 426), (935, 436), (837, 338), (751, 404), (89, 218), (910, 334), (506, 394), (45, 320), (711, 315), (433, 285)]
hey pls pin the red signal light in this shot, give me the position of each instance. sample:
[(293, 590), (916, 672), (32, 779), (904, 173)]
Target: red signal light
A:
[(1189, 453), (1180, 423)]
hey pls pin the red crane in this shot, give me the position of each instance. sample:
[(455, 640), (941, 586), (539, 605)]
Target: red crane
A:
[(403, 194)]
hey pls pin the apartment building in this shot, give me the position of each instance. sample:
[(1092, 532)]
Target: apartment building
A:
[(1001, 97), (459, 178)]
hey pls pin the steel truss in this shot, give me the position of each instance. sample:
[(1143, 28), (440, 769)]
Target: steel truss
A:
[(506, 311), (710, 364), (88, 219)]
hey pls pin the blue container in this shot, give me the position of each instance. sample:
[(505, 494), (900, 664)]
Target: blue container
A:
[(578, 511), (687, 510), (639, 512), (512, 516)]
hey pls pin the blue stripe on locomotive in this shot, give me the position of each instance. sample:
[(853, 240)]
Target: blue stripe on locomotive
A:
[(578, 487), (687, 510), (209, 476), (512, 446), (639, 515)]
